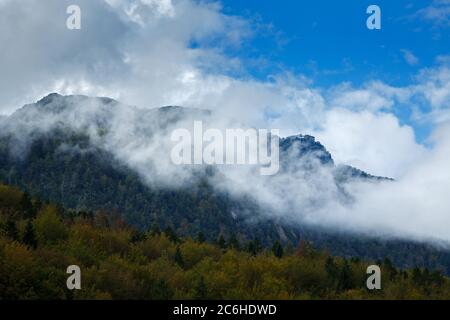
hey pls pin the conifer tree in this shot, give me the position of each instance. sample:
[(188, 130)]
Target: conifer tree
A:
[(26, 206), (200, 237), (277, 249), (221, 242), (390, 269), (201, 291), (331, 268), (11, 230), (233, 242), (171, 234), (179, 258), (155, 230), (345, 282), (254, 247), (29, 237)]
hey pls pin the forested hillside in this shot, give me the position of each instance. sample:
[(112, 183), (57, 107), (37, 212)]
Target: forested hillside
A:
[(89, 179), (65, 149), (38, 241)]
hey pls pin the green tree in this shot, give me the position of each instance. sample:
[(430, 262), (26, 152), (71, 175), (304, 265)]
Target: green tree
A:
[(11, 229), (179, 258), (49, 227), (331, 268), (171, 234), (201, 291), (26, 206), (155, 230), (29, 237), (200, 237), (305, 249), (417, 276), (254, 247), (37, 205), (137, 236), (437, 278), (233, 242), (221, 242), (277, 249), (345, 277), (389, 268), (161, 290)]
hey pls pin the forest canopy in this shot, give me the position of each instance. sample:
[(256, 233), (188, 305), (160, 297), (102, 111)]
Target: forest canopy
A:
[(38, 241)]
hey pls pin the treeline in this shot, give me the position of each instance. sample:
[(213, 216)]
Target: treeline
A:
[(38, 241)]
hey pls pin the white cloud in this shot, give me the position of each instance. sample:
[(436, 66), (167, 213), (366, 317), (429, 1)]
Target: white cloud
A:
[(434, 85), (409, 57), (438, 13), (134, 50), (366, 98), (416, 206), (376, 143)]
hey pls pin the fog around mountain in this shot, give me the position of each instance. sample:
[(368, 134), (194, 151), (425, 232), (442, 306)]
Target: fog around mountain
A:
[(309, 189)]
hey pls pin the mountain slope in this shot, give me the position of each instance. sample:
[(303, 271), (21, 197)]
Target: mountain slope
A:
[(75, 165), (38, 241)]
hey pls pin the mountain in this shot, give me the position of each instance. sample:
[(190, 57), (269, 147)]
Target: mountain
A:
[(93, 154), (306, 145)]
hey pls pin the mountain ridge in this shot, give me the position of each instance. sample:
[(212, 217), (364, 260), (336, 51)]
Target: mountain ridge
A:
[(68, 167), (308, 143)]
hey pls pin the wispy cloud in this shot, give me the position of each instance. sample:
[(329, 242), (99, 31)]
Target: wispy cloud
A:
[(409, 57), (438, 13)]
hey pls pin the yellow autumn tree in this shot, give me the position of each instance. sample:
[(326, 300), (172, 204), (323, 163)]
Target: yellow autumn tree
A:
[(49, 226)]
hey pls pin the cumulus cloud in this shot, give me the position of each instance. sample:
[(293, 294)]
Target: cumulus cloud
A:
[(139, 51), (415, 206), (355, 138)]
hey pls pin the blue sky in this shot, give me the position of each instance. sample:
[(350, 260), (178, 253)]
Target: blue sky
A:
[(328, 42)]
